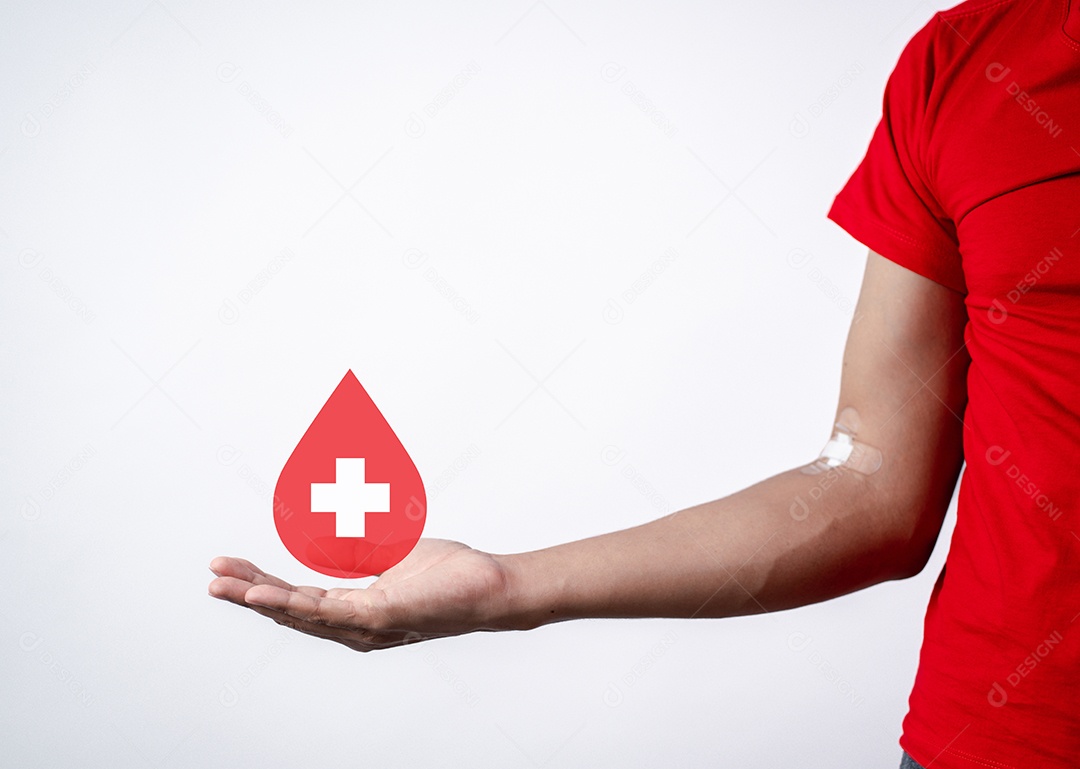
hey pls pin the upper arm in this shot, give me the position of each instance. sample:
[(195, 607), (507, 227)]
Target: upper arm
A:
[(904, 371)]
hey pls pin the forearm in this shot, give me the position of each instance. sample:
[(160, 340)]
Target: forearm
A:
[(788, 541)]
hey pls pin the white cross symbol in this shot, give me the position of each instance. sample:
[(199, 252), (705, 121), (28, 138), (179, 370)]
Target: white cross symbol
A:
[(350, 497)]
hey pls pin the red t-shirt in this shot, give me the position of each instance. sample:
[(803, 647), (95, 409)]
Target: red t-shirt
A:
[(972, 179)]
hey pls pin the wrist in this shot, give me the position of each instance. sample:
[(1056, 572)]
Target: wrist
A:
[(531, 595)]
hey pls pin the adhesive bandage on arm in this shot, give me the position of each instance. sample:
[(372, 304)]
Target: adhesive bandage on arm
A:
[(844, 451)]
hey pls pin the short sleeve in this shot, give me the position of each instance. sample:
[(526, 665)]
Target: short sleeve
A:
[(888, 204)]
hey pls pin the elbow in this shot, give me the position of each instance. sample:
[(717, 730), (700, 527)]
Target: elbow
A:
[(911, 563), (914, 538)]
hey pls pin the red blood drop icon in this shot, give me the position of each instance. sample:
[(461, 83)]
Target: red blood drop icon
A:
[(349, 501)]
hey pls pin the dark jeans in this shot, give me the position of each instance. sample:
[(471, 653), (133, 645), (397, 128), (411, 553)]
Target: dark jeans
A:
[(907, 762)]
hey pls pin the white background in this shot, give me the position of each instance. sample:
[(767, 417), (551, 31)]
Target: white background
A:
[(622, 203)]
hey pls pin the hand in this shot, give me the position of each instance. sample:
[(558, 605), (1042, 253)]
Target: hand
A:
[(441, 588)]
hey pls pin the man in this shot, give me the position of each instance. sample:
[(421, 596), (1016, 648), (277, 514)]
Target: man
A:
[(966, 347)]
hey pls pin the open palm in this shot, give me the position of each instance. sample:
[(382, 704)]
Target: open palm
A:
[(441, 588)]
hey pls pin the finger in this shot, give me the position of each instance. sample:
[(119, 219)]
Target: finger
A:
[(320, 610), (299, 625), (233, 589), (246, 570), (225, 566), (229, 589), (240, 568), (356, 640)]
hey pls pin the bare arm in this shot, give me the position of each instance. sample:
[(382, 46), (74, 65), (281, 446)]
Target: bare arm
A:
[(794, 539), (759, 549)]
